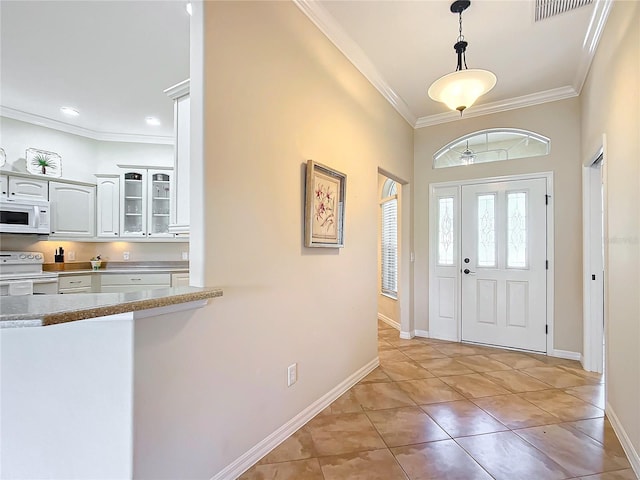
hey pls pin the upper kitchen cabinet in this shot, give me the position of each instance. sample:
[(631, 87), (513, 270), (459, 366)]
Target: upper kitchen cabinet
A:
[(25, 188), (108, 205), (179, 220), (72, 209), (145, 200)]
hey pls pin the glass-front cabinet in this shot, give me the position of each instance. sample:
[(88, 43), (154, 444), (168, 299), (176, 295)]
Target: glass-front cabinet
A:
[(145, 203), (159, 203)]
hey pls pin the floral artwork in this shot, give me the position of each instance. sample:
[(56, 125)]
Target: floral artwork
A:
[(325, 206)]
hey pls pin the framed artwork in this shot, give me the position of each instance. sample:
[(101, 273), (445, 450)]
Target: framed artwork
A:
[(324, 206), (41, 162)]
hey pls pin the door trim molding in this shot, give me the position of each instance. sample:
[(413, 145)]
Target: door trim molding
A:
[(550, 287)]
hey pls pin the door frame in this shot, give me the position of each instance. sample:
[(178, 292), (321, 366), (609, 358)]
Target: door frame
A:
[(593, 329), (433, 242)]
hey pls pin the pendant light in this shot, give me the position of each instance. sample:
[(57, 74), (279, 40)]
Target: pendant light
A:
[(460, 89), (467, 157)]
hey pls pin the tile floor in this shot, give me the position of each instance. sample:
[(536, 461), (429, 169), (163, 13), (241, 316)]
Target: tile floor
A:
[(442, 410)]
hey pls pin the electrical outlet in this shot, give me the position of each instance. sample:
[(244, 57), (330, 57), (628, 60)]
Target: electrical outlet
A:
[(125, 255), (71, 255), (292, 374), (185, 255)]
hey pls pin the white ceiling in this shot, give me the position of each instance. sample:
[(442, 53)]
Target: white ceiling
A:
[(112, 59), (403, 46)]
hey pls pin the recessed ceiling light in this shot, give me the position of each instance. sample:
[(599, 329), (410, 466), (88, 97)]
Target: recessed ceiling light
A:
[(189, 8), (152, 121), (72, 112)]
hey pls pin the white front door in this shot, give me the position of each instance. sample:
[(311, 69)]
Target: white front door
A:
[(503, 264)]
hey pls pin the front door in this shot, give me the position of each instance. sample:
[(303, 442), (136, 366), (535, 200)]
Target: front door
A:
[(503, 264)]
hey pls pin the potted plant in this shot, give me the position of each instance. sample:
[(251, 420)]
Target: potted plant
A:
[(96, 262), (42, 161)]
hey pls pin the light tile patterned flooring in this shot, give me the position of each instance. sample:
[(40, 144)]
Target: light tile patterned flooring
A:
[(442, 410)]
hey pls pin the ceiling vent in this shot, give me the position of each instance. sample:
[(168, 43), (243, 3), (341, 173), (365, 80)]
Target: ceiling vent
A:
[(551, 8)]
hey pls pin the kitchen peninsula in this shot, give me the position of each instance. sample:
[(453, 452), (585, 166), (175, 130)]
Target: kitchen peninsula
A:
[(68, 405)]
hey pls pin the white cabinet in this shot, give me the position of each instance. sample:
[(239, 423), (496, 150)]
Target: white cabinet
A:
[(4, 186), (74, 284), (25, 188), (145, 200), (180, 200), (131, 282), (72, 209), (180, 279), (108, 205)]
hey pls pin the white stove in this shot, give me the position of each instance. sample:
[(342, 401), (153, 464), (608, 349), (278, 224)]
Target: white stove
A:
[(21, 274)]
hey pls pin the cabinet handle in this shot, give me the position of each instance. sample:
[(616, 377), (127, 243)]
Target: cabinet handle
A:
[(136, 279), (78, 281)]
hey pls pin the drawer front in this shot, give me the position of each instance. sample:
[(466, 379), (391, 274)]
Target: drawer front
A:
[(136, 279), (74, 281), (75, 290)]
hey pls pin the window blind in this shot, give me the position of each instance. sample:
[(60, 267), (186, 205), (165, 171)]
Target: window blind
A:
[(389, 257)]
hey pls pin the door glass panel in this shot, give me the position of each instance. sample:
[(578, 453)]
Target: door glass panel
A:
[(160, 186), (133, 202), (487, 230), (445, 231), (517, 230)]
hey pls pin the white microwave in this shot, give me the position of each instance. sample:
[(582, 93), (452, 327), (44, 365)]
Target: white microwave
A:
[(25, 216)]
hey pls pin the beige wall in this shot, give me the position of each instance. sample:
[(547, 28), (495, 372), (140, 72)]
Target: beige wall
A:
[(213, 384), (559, 121), (611, 106)]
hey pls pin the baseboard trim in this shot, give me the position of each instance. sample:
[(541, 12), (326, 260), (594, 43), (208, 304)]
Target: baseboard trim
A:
[(389, 321), (414, 333), (566, 354), (252, 456), (625, 441)]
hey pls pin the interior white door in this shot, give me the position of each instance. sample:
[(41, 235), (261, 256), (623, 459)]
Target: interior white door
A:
[(503, 247)]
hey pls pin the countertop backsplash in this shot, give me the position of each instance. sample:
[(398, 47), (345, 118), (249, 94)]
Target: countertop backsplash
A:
[(109, 251)]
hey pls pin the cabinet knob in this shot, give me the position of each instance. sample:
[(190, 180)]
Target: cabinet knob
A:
[(13, 193), (115, 233)]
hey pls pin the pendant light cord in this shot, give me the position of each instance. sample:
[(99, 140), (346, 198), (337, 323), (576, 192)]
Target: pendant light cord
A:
[(462, 55)]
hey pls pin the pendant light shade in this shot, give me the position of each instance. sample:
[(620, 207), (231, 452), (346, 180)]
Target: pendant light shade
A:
[(460, 89)]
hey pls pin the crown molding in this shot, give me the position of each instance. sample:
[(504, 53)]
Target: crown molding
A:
[(553, 95), (350, 49), (179, 89), (591, 41), (83, 132)]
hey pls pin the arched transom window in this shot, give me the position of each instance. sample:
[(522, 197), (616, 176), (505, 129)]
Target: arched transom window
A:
[(493, 145)]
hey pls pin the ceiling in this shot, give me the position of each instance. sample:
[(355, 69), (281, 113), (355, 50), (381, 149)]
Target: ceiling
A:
[(112, 60)]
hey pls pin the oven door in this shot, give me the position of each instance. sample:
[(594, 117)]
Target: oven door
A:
[(29, 286)]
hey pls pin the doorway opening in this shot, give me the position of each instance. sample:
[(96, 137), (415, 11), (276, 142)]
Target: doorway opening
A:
[(593, 264), (394, 237)]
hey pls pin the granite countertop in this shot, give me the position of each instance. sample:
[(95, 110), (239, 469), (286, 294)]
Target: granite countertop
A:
[(43, 310), (106, 271), (79, 268)]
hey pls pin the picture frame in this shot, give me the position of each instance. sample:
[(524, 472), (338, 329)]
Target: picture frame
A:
[(44, 163), (325, 195)]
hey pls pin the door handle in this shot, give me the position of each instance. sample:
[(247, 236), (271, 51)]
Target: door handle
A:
[(466, 271)]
